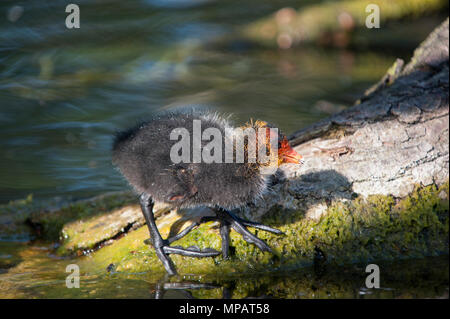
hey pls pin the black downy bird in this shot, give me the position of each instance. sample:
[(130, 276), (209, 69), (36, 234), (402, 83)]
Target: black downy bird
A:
[(143, 156)]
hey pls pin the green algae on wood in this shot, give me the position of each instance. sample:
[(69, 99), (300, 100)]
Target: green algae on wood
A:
[(83, 235), (48, 218), (362, 230), (51, 223), (15, 216)]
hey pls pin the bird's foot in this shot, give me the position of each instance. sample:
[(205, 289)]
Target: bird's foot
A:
[(192, 251), (162, 247), (228, 220), (163, 250)]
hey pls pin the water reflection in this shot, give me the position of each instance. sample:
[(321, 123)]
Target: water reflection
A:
[(400, 280), (32, 271), (182, 290)]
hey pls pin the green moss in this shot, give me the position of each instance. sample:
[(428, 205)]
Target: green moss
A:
[(15, 216), (52, 223), (362, 230), (83, 235), (47, 218)]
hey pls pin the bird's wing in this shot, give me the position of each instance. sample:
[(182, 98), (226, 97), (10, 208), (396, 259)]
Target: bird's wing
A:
[(185, 179)]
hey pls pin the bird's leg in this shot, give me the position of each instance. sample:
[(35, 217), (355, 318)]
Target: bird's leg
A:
[(188, 229), (161, 246), (183, 233), (158, 243), (225, 234), (257, 225), (229, 220)]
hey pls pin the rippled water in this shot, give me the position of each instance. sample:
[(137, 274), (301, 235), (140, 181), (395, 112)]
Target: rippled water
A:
[(63, 93)]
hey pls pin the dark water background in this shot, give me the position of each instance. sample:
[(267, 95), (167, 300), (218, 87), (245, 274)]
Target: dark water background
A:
[(63, 93)]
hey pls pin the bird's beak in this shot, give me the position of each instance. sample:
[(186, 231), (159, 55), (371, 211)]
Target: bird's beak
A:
[(291, 156)]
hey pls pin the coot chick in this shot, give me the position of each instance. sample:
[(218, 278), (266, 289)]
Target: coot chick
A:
[(143, 155)]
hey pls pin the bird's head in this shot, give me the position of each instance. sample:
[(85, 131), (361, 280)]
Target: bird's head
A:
[(285, 153)]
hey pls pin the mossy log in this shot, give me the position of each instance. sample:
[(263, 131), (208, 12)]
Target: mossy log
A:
[(374, 187)]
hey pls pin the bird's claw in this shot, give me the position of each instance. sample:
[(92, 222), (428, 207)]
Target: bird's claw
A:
[(229, 220), (260, 226), (192, 251), (163, 251)]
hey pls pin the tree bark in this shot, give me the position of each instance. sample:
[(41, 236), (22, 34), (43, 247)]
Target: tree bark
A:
[(395, 137)]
